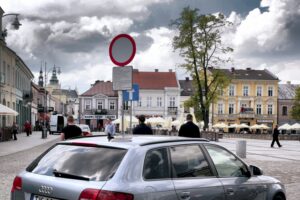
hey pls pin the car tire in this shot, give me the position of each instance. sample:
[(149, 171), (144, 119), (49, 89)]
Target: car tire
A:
[(279, 197)]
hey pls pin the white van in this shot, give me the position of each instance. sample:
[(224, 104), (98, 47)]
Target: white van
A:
[(57, 123)]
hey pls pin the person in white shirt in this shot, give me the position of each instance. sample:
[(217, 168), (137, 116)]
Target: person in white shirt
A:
[(110, 129)]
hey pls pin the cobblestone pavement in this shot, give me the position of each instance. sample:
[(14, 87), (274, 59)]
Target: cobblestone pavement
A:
[(14, 163), (281, 163)]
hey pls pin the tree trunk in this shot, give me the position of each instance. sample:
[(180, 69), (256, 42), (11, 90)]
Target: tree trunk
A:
[(205, 115)]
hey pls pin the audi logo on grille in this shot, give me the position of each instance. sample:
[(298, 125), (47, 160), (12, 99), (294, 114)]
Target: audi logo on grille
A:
[(45, 189)]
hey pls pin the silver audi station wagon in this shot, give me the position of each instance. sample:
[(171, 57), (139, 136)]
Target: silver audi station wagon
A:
[(142, 168)]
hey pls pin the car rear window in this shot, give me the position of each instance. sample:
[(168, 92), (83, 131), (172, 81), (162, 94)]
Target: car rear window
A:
[(94, 163)]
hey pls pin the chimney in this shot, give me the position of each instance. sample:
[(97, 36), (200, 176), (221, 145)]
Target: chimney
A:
[(170, 70), (156, 70), (187, 78), (288, 82), (248, 68), (232, 69)]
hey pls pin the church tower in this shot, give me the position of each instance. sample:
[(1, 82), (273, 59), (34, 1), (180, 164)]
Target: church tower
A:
[(41, 79)]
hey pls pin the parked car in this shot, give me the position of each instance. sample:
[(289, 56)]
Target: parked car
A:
[(143, 167), (86, 131)]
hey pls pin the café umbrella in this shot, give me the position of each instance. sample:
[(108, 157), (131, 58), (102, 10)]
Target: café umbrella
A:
[(285, 127), (4, 110), (220, 125)]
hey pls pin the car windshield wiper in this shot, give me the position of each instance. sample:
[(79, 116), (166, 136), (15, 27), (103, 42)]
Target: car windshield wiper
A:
[(71, 176)]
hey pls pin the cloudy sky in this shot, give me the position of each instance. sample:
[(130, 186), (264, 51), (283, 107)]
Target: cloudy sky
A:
[(75, 35)]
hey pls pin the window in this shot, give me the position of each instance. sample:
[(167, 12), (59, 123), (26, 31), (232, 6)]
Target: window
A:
[(126, 105), (88, 104), (231, 108), (243, 106), (258, 109), (3, 73), (8, 75), (246, 90), (221, 92), (140, 102), (259, 91), (149, 102), (284, 111), (270, 91), (189, 161), (79, 160), (220, 108), (172, 101), (100, 105), (156, 164), (231, 90), (159, 102), (112, 105), (270, 109), (227, 164)]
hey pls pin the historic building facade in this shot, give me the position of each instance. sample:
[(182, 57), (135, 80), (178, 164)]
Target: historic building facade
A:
[(159, 94), (286, 98), (251, 98), (97, 104), (15, 86)]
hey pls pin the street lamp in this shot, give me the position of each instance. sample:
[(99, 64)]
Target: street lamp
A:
[(16, 24), (44, 132)]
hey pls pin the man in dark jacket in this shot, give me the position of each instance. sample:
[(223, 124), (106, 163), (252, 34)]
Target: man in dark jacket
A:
[(275, 137), (189, 129), (142, 128), (71, 130)]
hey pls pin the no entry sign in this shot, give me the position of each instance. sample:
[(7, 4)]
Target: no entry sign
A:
[(122, 50)]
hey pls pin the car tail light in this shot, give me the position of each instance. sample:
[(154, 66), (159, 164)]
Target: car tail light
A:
[(85, 133), (17, 184), (93, 194), (89, 194)]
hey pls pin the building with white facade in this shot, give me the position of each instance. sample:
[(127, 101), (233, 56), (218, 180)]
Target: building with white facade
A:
[(159, 95), (97, 104)]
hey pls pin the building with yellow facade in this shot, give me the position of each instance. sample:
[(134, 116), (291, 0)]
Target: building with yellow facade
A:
[(250, 98)]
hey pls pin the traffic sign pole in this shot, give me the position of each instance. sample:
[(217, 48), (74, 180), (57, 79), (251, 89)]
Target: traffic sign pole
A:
[(122, 50)]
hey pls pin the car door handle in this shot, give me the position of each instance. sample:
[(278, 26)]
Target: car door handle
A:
[(230, 191), (185, 195)]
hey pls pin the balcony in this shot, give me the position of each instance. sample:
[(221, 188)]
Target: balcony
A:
[(247, 113), (100, 112), (172, 110)]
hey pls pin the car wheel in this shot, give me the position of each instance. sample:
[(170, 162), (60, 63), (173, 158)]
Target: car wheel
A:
[(279, 197)]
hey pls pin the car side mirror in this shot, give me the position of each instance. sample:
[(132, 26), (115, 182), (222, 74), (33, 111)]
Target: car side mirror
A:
[(256, 171)]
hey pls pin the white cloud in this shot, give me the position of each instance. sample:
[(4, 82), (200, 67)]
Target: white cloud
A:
[(160, 54)]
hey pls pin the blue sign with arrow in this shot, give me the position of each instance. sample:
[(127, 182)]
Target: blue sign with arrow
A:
[(135, 93)]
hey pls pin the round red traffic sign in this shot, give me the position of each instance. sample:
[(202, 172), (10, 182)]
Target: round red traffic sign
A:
[(122, 50)]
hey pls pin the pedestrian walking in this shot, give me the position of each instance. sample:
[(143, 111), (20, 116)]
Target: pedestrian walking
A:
[(110, 129), (71, 130), (15, 130), (275, 137), (142, 128), (189, 129), (27, 127)]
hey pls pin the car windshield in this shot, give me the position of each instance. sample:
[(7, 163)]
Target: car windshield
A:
[(94, 163)]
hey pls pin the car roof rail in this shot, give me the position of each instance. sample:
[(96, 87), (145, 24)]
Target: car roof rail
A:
[(175, 140)]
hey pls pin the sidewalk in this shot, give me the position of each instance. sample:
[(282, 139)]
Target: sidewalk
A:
[(261, 150), (25, 142)]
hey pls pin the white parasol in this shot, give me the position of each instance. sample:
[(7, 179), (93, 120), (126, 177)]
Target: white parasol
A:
[(4, 110)]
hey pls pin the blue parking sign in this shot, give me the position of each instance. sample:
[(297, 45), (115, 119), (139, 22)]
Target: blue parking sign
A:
[(135, 93)]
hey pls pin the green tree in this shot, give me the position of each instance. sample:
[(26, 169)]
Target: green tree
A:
[(296, 107), (200, 44)]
